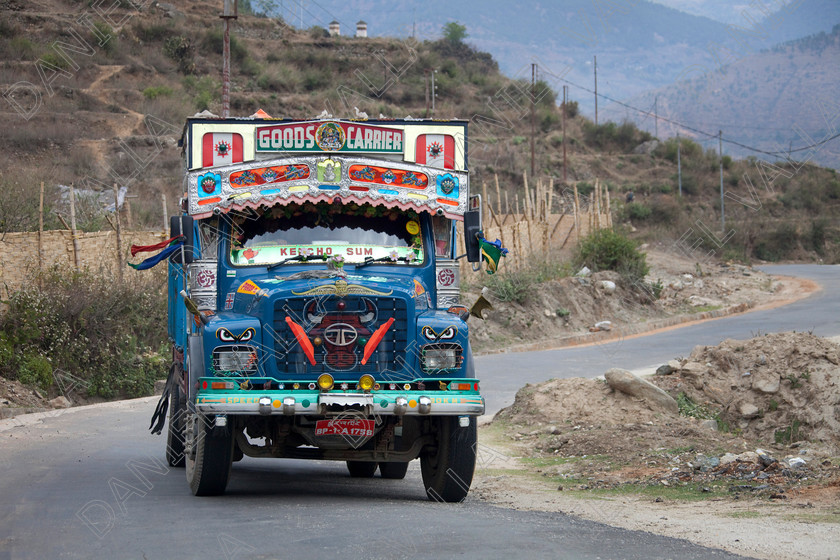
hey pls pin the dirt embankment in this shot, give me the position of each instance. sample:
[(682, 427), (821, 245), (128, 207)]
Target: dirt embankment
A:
[(756, 443)]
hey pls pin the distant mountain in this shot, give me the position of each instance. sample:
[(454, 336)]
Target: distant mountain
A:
[(640, 45), (781, 98)]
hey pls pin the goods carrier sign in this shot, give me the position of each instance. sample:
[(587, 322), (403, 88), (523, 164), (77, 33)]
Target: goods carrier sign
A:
[(330, 136)]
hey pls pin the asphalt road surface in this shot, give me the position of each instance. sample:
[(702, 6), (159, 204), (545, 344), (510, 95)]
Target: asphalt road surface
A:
[(92, 483)]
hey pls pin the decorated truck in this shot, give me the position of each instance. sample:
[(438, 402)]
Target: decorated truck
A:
[(314, 300)]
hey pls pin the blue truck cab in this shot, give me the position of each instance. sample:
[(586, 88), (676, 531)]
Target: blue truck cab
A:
[(314, 305)]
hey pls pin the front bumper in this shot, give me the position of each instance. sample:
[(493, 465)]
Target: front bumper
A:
[(383, 403)]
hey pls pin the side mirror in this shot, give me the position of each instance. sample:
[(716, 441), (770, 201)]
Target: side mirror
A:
[(183, 225), (472, 225)]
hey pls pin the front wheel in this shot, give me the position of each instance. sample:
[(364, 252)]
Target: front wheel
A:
[(448, 468), (209, 456)]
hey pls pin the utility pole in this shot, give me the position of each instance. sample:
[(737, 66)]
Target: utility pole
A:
[(565, 89), (720, 158), (595, 67), (434, 91), (426, 73), (533, 116), (230, 12), (656, 115), (679, 164)]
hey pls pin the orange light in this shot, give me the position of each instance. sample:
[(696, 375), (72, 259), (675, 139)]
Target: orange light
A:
[(460, 386), (221, 385)]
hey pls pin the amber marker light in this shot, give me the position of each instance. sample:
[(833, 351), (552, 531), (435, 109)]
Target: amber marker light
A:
[(325, 381), (366, 382)]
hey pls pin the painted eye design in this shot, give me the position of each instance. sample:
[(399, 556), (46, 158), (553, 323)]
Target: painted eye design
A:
[(448, 333), (224, 335)]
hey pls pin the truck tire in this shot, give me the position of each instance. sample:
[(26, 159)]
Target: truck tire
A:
[(208, 470), (175, 431), (361, 469), (448, 469), (393, 470)]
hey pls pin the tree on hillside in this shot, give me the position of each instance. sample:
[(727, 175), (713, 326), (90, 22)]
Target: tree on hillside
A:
[(454, 32)]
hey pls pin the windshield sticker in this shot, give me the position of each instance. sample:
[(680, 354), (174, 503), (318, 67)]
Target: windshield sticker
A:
[(412, 227), (248, 287), (348, 253), (419, 290)]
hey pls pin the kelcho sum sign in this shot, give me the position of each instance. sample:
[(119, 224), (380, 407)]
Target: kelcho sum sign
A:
[(329, 136)]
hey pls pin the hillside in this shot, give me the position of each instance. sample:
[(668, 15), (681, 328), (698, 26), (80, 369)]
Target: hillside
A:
[(763, 100), (115, 116), (640, 45)]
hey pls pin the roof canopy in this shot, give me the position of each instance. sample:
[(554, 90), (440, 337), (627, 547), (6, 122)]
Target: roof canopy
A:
[(410, 164)]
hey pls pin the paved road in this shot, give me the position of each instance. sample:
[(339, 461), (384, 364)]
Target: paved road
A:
[(91, 483), (503, 374)]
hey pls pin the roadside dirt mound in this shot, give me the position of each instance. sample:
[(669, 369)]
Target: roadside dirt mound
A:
[(572, 306), (778, 388), (758, 417)]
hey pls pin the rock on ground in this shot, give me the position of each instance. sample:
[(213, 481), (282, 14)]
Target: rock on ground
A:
[(624, 381)]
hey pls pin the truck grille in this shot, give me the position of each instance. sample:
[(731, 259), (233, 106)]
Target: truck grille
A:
[(339, 329)]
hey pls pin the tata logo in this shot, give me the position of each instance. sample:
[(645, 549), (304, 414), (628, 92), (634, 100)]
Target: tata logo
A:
[(340, 334)]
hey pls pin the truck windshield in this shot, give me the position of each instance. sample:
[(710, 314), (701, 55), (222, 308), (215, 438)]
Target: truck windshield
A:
[(355, 232)]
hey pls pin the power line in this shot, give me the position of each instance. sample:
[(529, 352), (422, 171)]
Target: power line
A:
[(691, 128)]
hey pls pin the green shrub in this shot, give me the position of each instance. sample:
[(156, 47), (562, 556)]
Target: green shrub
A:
[(777, 244), (180, 50), (637, 211), (35, 370), (214, 41), (153, 92), (608, 249), (511, 286), (54, 59), (104, 30), (107, 334)]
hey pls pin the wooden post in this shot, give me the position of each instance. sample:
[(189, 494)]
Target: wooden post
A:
[(550, 194), (517, 204), (507, 208), (73, 226), (40, 236), (128, 214), (119, 233), (527, 200), (484, 211), (597, 204), (609, 212), (165, 215), (498, 196), (577, 205)]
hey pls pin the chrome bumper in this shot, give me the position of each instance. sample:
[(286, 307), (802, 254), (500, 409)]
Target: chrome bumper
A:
[(408, 403)]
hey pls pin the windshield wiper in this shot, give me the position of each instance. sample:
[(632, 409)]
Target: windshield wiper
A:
[(370, 260), (301, 258)]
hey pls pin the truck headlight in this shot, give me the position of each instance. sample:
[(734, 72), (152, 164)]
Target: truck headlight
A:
[(242, 359), (441, 358)]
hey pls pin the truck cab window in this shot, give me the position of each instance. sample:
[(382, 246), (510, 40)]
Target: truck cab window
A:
[(353, 231)]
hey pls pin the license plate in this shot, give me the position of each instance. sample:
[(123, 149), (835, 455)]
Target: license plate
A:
[(351, 427)]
